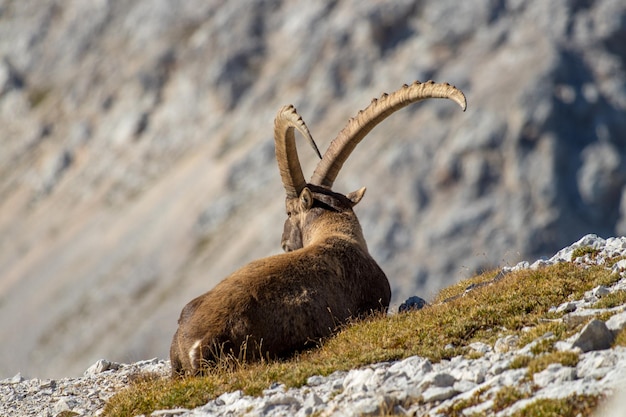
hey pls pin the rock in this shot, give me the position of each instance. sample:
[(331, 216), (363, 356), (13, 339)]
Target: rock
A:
[(619, 266), (82, 396), (480, 347), (414, 367), (594, 336), (595, 365), (474, 373), (566, 307), (582, 315), (100, 366), (438, 379), (554, 374), (169, 413), (311, 403), (464, 385), (63, 404), (541, 263), (358, 380), (17, 378), (436, 393), (412, 303), (616, 323), (600, 291)]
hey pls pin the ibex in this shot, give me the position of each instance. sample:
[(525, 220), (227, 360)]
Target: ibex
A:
[(275, 306)]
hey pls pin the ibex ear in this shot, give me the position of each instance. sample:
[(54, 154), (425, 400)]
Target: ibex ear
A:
[(356, 196), (306, 198)]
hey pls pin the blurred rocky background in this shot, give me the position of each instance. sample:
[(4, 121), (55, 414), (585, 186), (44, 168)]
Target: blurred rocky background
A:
[(137, 161)]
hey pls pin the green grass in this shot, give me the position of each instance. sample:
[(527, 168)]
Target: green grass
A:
[(518, 300)]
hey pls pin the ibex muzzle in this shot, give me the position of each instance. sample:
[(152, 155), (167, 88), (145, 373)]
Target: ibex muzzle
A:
[(275, 306)]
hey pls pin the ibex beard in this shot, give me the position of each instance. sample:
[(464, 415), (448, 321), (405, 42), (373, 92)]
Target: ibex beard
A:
[(278, 305)]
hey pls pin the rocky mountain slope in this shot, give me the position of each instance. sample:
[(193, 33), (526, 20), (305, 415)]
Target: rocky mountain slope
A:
[(504, 378), (137, 166)]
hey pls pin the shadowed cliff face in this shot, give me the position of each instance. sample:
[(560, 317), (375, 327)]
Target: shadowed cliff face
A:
[(137, 164)]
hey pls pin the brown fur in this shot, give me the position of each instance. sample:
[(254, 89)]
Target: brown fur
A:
[(275, 306), (284, 303)]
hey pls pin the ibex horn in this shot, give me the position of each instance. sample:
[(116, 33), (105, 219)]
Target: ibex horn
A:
[(285, 122), (358, 127)]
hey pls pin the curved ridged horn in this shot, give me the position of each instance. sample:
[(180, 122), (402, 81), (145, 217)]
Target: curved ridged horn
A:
[(287, 119), (358, 127)]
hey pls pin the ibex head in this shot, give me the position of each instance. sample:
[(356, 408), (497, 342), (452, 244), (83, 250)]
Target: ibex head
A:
[(301, 197)]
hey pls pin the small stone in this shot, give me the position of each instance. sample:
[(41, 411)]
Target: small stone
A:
[(594, 336), (278, 400), (480, 347), (413, 367), (617, 322), (438, 379), (580, 316), (411, 304), (63, 405), (594, 365), (48, 383), (499, 367), (315, 380), (311, 402), (438, 394), (358, 380), (539, 264), (275, 388), (229, 398), (567, 307), (169, 413), (554, 374), (100, 366), (366, 406), (564, 346), (600, 291), (619, 266), (506, 343), (16, 379), (464, 385), (521, 266)]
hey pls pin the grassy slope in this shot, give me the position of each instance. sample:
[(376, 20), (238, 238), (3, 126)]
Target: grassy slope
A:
[(518, 300)]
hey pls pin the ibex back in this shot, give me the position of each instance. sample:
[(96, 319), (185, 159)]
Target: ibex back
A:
[(275, 306)]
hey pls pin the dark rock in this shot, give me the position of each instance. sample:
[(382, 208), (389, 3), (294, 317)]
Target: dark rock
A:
[(412, 303), (594, 336)]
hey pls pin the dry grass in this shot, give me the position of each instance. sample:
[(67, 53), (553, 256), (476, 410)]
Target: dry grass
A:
[(579, 405), (620, 339), (443, 330), (585, 250), (541, 362), (614, 299)]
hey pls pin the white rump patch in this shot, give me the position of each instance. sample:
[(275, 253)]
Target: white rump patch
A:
[(194, 353)]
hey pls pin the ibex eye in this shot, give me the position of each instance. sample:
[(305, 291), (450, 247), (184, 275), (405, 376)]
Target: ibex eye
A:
[(288, 214)]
